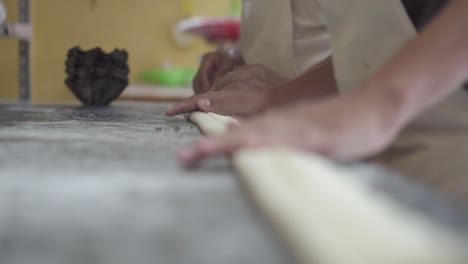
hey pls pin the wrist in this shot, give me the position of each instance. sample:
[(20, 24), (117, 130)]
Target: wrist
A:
[(389, 104), (269, 99), (276, 96)]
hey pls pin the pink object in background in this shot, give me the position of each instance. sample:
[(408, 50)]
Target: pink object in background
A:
[(213, 29)]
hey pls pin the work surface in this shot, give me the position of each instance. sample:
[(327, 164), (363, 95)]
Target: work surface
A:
[(102, 186)]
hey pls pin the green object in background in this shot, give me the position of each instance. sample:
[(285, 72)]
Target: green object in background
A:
[(236, 7), (173, 76)]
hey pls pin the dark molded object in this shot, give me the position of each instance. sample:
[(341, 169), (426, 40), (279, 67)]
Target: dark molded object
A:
[(95, 77)]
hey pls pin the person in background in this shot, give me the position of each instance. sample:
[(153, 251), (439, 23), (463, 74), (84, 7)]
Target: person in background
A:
[(388, 77), (280, 41)]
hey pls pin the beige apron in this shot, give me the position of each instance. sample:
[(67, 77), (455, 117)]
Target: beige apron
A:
[(266, 35), (434, 148), (288, 36)]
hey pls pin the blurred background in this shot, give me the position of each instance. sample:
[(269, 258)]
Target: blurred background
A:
[(145, 28)]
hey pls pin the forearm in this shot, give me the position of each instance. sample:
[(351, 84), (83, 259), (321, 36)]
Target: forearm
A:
[(428, 69), (319, 81)]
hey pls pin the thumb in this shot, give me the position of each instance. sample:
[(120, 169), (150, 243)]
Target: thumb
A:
[(184, 106), (212, 105), (204, 104)]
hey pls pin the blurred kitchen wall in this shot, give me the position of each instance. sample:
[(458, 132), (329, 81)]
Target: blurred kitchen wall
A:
[(142, 27)]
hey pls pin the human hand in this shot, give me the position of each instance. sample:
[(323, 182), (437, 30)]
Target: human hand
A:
[(213, 66), (254, 76), (233, 102), (343, 128), (241, 92)]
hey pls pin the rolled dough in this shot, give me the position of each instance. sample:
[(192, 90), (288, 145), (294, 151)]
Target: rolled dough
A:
[(328, 217), (211, 123)]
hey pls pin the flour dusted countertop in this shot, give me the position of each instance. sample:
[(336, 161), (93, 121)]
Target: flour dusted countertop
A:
[(103, 186)]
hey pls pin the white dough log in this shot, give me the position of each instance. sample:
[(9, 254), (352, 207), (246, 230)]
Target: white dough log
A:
[(211, 123), (328, 217)]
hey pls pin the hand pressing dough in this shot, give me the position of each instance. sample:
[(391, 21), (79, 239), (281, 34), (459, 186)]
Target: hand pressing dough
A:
[(328, 217), (211, 123)]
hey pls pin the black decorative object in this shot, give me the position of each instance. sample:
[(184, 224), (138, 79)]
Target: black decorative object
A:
[(95, 77)]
